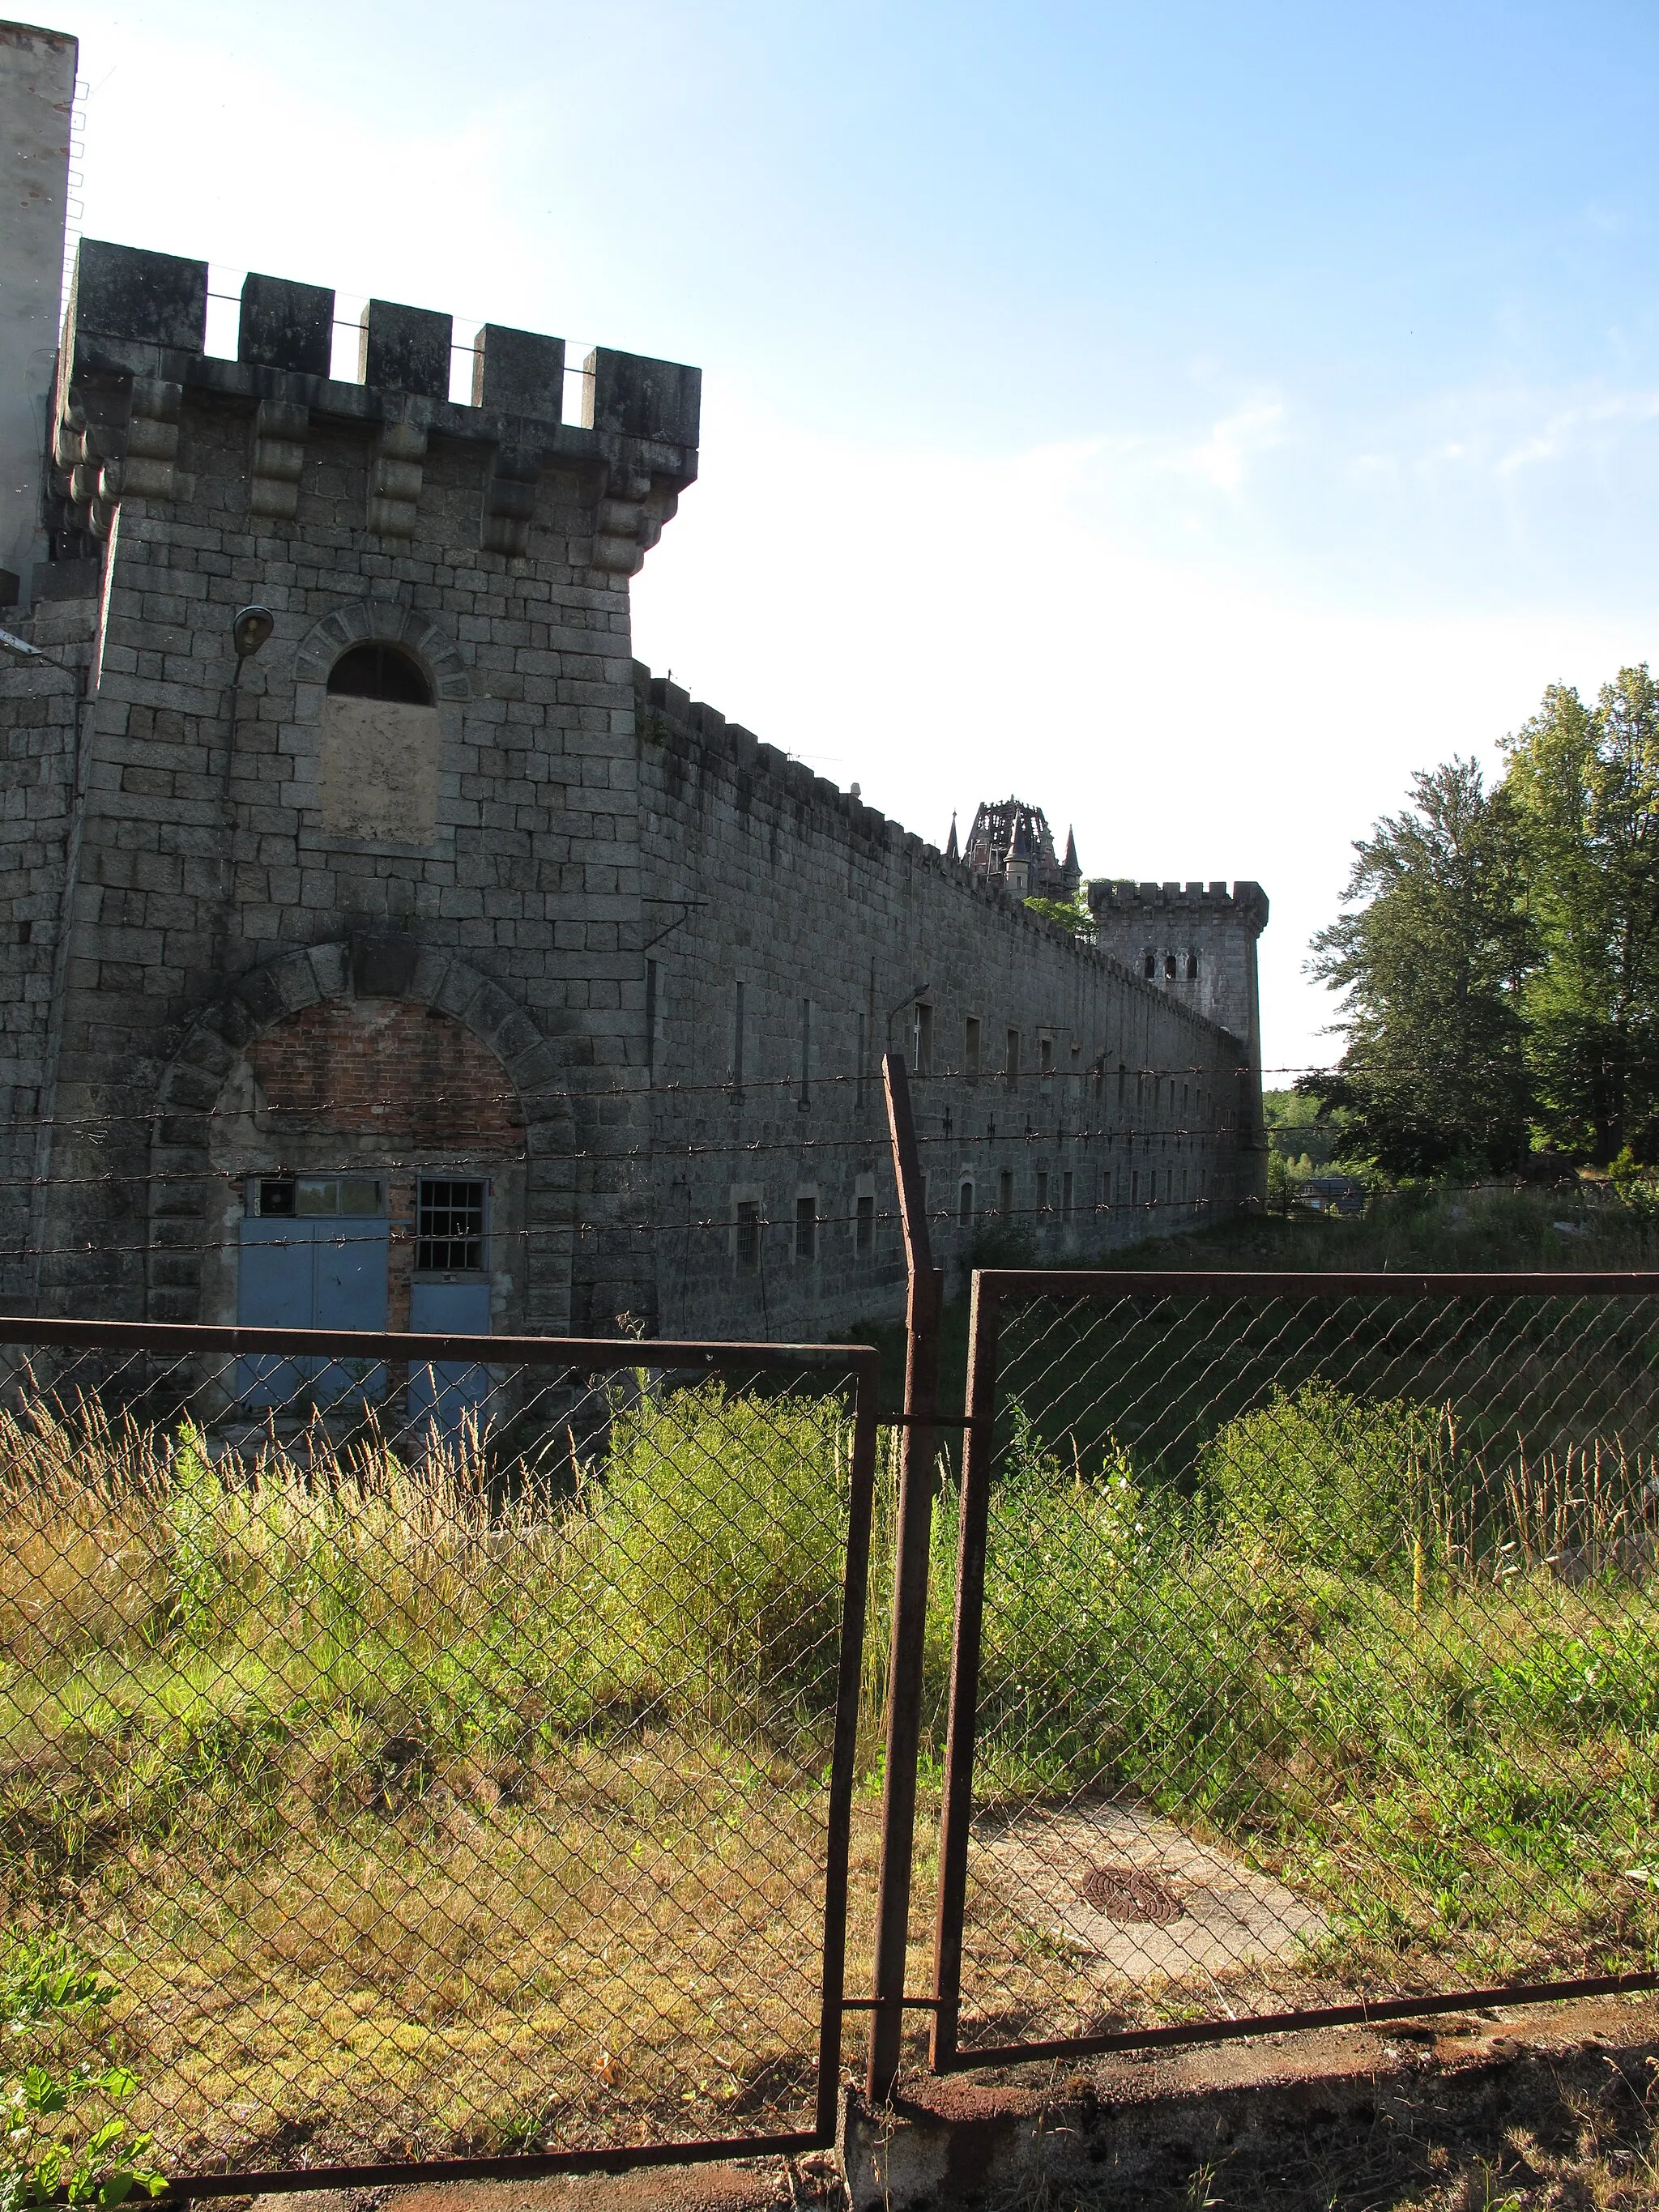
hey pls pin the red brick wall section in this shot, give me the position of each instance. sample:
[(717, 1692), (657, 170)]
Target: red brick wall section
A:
[(381, 1065)]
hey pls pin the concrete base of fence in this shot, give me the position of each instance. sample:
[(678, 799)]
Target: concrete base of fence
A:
[(1132, 2128)]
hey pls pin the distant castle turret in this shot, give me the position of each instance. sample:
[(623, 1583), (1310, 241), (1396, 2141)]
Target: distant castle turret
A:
[(1011, 844)]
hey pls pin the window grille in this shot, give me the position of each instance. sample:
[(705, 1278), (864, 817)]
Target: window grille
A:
[(449, 1234)]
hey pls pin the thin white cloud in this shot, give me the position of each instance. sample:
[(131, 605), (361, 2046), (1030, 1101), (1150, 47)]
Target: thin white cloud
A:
[(1223, 458)]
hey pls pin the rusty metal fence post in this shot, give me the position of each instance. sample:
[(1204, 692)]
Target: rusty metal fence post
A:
[(983, 1325), (922, 1310)]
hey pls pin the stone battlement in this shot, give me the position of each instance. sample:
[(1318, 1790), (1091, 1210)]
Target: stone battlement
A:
[(1246, 902), (133, 348)]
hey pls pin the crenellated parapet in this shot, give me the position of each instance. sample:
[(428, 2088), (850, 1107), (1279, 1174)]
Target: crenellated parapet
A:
[(133, 357), (1196, 943), (1112, 901)]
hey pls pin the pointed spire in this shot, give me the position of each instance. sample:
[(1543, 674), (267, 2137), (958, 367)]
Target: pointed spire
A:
[(1070, 863), (951, 852)]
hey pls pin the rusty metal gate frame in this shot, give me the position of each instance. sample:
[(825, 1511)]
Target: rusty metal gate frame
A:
[(580, 1356), (993, 1291)]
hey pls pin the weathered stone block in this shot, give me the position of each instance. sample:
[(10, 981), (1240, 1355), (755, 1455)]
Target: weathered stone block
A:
[(519, 372), (286, 325), (406, 349), (125, 292)]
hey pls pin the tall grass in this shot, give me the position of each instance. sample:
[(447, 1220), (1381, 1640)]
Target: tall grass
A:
[(397, 1805), (401, 1806), (1419, 1679)]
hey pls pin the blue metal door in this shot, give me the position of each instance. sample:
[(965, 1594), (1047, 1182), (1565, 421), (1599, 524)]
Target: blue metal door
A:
[(444, 1393), (311, 1272), (273, 1292)]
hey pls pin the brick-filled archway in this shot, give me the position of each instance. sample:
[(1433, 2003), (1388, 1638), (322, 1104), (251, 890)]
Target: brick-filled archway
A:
[(394, 1057)]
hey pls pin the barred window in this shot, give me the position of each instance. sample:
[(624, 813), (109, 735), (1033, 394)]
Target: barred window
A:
[(748, 1232), (806, 1228), (449, 1236)]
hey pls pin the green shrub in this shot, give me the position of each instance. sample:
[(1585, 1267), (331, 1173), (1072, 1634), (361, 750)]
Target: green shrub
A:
[(1317, 1476)]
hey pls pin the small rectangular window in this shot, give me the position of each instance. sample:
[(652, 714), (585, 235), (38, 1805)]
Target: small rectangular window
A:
[(1011, 1063), (1005, 1191), (1066, 1187), (965, 1205), (921, 1057), (804, 1098), (277, 1198), (1134, 1188), (449, 1226), (738, 1011), (748, 1232), (1043, 1190), (970, 1047), (806, 1228), (1045, 1055), (865, 1224)]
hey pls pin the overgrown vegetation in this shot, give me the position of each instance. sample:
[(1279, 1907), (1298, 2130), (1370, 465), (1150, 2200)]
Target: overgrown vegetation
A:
[(50, 2002), (397, 1810)]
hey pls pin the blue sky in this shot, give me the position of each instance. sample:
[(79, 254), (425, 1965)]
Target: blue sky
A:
[(1193, 418)]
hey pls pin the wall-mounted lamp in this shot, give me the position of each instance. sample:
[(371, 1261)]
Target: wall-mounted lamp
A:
[(249, 630)]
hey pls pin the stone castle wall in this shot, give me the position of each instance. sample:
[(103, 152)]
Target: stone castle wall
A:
[(793, 926), (556, 927), (208, 891)]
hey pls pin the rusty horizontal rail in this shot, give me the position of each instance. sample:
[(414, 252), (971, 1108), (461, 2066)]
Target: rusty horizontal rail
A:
[(1282, 2023), (580, 1355), (185, 2188), (1209, 1283)]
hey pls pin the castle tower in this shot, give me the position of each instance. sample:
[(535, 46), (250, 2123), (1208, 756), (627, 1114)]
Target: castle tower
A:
[(37, 93), (1011, 844), (351, 927), (1197, 942)]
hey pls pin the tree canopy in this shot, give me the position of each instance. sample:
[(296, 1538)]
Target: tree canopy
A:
[(1432, 964), (1500, 966)]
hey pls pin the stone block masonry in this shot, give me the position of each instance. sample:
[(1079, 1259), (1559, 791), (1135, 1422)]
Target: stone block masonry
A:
[(1066, 1104), (209, 909), (446, 896)]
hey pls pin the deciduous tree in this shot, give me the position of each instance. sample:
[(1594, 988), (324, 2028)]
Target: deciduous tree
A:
[(1584, 781), (1432, 964)]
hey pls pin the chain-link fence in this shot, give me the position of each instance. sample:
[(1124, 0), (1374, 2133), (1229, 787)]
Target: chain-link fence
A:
[(1308, 1651), (432, 1749)]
